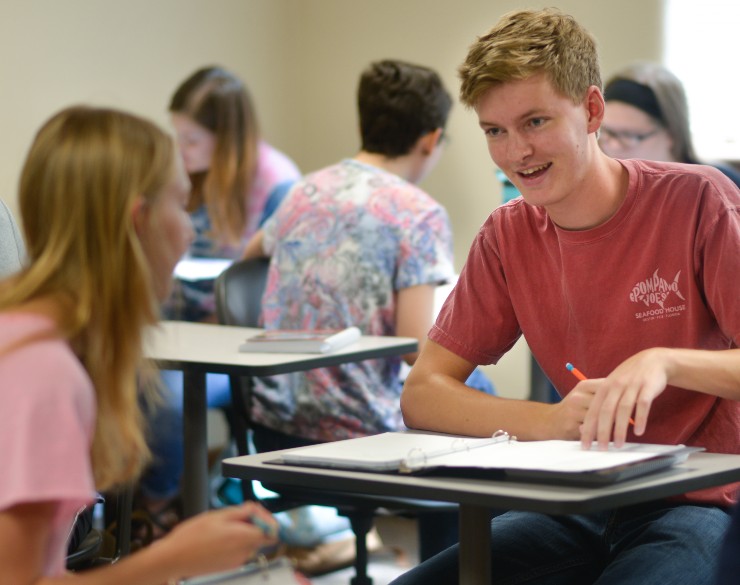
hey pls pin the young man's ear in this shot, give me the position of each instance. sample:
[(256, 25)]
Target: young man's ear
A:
[(430, 140), (595, 106)]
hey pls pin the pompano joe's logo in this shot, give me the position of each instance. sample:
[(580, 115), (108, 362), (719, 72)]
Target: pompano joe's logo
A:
[(656, 291)]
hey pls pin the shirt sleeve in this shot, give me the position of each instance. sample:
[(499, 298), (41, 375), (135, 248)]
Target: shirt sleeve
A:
[(46, 426), (426, 251), (478, 322), (719, 257)]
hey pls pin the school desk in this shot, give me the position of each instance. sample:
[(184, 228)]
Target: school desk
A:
[(198, 348), (478, 498)]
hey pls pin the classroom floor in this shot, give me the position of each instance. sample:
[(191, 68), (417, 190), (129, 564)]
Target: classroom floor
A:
[(398, 553)]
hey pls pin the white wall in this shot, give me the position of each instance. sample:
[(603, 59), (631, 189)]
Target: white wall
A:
[(301, 59)]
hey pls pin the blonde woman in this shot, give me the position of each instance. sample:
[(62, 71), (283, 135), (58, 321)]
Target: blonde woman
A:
[(103, 206)]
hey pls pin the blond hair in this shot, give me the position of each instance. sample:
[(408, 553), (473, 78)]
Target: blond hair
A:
[(82, 176), (526, 42)]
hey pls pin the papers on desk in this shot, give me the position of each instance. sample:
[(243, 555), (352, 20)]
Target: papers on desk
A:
[(193, 269), (498, 457), (298, 341)]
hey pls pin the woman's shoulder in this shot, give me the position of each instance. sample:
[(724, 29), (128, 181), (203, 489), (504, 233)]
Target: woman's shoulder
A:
[(272, 160), (29, 338)]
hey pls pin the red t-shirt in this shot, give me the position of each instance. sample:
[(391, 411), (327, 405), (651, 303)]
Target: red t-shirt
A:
[(662, 272)]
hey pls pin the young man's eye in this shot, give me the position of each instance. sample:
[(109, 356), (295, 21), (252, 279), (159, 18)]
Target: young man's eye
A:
[(493, 132), (537, 122)]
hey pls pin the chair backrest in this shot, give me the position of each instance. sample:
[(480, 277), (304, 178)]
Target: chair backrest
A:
[(238, 291)]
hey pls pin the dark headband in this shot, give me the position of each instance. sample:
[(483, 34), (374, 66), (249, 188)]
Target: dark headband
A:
[(635, 94)]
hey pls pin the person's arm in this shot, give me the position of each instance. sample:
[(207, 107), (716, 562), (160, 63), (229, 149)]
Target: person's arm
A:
[(254, 247), (414, 311), (214, 541), (435, 398), (633, 386)]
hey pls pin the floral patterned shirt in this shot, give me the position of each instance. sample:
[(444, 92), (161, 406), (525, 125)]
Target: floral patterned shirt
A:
[(343, 242)]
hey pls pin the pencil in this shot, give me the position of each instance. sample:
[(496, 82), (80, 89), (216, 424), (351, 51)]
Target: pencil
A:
[(579, 374)]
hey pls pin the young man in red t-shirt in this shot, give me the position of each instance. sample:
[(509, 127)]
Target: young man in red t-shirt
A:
[(627, 269)]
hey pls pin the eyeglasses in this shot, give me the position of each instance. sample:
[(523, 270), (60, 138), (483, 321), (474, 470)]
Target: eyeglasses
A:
[(626, 138)]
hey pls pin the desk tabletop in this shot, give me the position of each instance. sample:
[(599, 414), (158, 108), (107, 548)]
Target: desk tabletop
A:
[(701, 470), (214, 348)]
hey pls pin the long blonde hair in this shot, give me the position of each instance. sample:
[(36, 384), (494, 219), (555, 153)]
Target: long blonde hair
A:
[(219, 101), (82, 176)]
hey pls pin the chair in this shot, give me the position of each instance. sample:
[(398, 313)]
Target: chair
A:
[(91, 551), (238, 292)]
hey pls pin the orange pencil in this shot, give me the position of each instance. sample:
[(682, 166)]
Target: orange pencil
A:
[(579, 374)]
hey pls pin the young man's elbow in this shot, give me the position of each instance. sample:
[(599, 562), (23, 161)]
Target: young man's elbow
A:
[(409, 407)]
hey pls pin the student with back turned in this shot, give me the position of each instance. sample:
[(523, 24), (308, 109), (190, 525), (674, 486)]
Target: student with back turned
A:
[(358, 243), (628, 269)]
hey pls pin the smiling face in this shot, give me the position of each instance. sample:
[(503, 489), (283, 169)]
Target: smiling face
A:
[(540, 139)]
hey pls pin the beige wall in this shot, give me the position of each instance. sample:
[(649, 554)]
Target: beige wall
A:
[(301, 59)]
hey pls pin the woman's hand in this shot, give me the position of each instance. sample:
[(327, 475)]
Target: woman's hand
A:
[(219, 540)]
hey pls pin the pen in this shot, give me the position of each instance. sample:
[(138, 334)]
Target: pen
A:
[(579, 374), (266, 528)]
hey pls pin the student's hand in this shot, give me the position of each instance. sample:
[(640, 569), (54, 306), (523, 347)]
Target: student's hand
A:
[(219, 540), (627, 392), (568, 415)]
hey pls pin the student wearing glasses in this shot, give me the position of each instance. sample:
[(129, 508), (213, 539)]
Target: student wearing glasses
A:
[(647, 116)]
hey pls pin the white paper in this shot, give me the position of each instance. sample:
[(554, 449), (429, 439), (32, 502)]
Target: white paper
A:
[(193, 269)]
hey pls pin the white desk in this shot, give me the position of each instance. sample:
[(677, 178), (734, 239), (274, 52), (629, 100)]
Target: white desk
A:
[(477, 497), (198, 348)]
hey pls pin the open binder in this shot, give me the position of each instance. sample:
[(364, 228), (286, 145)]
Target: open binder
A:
[(498, 457)]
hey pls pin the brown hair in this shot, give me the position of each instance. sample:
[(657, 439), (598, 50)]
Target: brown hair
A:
[(527, 42), (83, 173), (219, 101), (398, 103)]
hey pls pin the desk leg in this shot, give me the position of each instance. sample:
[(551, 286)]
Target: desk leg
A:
[(475, 545), (195, 472)]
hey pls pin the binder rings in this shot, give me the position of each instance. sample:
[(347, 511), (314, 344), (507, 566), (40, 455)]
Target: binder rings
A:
[(497, 457)]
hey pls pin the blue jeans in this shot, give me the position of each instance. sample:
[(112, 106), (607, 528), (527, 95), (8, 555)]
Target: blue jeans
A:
[(658, 543), (162, 479), (728, 571)]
